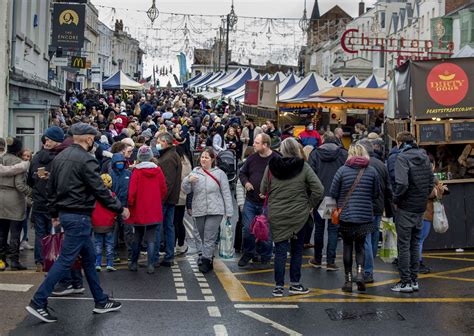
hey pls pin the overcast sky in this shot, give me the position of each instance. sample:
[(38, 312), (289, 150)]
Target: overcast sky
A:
[(135, 21)]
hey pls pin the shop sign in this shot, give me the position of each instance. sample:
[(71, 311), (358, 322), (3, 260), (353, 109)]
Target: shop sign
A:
[(252, 92), (442, 88), (78, 62), (352, 42), (60, 61), (68, 25), (267, 94)]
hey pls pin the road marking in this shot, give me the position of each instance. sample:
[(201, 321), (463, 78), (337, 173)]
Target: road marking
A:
[(180, 290), (274, 324), (265, 306), (214, 311), (203, 285), (453, 278), (220, 330), (15, 287), (179, 284), (181, 298), (206, 291), (234, 289), (209, 298), (178, 279), (267, 270), (175, 271), (134, 300), (449, 258)]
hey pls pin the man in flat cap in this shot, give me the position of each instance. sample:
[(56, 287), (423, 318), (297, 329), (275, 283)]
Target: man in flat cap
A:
[(73, 187)]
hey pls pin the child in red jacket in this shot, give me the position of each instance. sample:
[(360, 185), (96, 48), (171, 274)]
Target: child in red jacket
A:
[(145, 195), (103, 226)]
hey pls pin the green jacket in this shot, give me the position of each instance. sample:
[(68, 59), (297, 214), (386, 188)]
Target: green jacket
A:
[(294, 191)]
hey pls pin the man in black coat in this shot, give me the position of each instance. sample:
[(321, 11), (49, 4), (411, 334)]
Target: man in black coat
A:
[(325, 161), (414, 182)]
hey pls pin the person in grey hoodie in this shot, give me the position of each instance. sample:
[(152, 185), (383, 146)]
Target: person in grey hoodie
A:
[(211, 202)]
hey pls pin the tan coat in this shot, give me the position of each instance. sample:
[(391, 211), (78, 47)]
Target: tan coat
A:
[(13, 192)]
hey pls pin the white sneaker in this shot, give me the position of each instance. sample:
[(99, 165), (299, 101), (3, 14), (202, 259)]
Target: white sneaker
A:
[(181, 249), (25, 246)]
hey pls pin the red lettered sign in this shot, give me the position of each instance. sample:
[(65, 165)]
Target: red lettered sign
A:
[(252, 89)]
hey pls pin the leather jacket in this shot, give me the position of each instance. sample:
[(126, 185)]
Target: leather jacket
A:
[(75, 184)]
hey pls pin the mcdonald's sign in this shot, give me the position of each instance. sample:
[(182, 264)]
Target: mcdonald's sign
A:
[(78, 62)]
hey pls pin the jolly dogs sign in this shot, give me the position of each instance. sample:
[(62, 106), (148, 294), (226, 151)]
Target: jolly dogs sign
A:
[(443, 88)]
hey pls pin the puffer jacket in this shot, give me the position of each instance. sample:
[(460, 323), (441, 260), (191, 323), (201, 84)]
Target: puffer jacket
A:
[(208, 197), (120, 179), (392, 158), (13, 191), (325, 161), (359, 207), (293, 190), (384, 200), (414, 180)]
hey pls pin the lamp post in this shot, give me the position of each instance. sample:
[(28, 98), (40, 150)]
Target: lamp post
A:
[(231, 22)]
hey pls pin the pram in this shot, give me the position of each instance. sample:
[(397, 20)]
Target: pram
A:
[(227, 161)]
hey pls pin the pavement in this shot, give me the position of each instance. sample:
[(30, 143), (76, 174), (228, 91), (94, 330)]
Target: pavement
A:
[(235, 301)]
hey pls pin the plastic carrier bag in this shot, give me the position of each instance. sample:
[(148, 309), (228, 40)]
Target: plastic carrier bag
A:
[(388, 252), (226, 242), (440, 220)]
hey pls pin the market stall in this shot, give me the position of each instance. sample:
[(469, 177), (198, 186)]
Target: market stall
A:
[(443, 121)]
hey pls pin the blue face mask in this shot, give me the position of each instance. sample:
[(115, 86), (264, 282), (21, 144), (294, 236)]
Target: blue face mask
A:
[(120, 165), (158, 147)]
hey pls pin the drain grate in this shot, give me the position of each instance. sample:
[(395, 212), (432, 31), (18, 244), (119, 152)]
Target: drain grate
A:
[(364, 315)]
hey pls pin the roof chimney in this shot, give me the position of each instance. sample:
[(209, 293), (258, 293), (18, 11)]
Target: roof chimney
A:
[(361, 7)]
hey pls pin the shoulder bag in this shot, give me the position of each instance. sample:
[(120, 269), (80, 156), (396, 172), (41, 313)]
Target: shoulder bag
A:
[(336, 213)]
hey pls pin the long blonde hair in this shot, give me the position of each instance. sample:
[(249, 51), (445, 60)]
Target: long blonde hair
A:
[(358, 150), (291, 148)]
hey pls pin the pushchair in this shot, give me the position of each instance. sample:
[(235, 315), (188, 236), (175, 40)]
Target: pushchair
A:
[(227, 161)]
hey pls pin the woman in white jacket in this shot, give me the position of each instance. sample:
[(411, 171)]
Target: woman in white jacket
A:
[(211, 202)]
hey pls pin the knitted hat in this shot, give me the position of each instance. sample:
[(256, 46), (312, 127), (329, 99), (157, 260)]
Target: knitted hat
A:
[(54, 133), (144, 154), (107, 180), (147, 133), (14, 145)]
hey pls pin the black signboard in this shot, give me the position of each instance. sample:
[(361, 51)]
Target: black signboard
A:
[(78, 62), (443, 88), (68, 25), (462, 131), (431, 133)]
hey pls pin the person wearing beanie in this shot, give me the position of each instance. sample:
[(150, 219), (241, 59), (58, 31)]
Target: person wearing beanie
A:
[(13, 193), (145, 196), (103, 226), (55, 134)]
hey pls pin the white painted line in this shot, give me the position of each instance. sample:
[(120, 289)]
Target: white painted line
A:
[(175, 267), (182, 298), (220, 330), (203, 285), (270, 322), (178, 279), (179, 284), (176, 271), (15, 287), (201, 279), (206, 291), (209, 298), (180, 290), (275, 306), (214, 311), (129, 300)]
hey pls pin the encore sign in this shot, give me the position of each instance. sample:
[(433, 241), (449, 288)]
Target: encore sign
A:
[(415, 49)]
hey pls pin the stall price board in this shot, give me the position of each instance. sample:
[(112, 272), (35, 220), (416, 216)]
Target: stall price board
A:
[(429, 133), (462, 132)]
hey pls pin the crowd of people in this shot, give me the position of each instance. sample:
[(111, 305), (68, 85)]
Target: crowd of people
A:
[(127, 167)]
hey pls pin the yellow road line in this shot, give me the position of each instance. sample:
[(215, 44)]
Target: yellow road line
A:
[(233, 287), (447, 253), (448, 258), (266, 270), (453, 278), (407, 299)]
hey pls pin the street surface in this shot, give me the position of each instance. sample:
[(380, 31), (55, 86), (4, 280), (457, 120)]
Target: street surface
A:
[(235, 301)]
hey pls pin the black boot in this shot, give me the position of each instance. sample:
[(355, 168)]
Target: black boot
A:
[(17, 266), (205, 265), (348, 284), (360, 279)]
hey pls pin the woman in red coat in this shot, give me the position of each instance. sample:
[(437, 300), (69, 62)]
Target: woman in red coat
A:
[(146, 191)]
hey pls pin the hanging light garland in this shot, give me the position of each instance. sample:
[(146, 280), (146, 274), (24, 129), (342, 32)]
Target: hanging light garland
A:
[(152, 12), (304, 22)]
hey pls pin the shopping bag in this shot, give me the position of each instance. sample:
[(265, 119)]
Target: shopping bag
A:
[(388, 252), (440, 220), (259, 228), (226, 243), (51, 248)]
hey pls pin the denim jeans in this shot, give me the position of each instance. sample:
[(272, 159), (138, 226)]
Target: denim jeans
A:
[(168, 232), (409, 227), (77, 240), (249, 247), (281, 253), (147, 232), (424, 234), (319, 227), (42, 228), (371, 246), (25, 224), (108, 239)]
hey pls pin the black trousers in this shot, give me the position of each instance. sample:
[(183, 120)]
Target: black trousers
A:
[(349, 244), (179, 224), (14, 227)]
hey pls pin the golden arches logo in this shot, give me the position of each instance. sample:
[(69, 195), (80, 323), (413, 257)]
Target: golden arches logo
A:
[(68, 17)]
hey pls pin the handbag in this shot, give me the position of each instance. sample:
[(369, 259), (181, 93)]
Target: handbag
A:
[(336, 213), (51, 248), (259, 227)]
